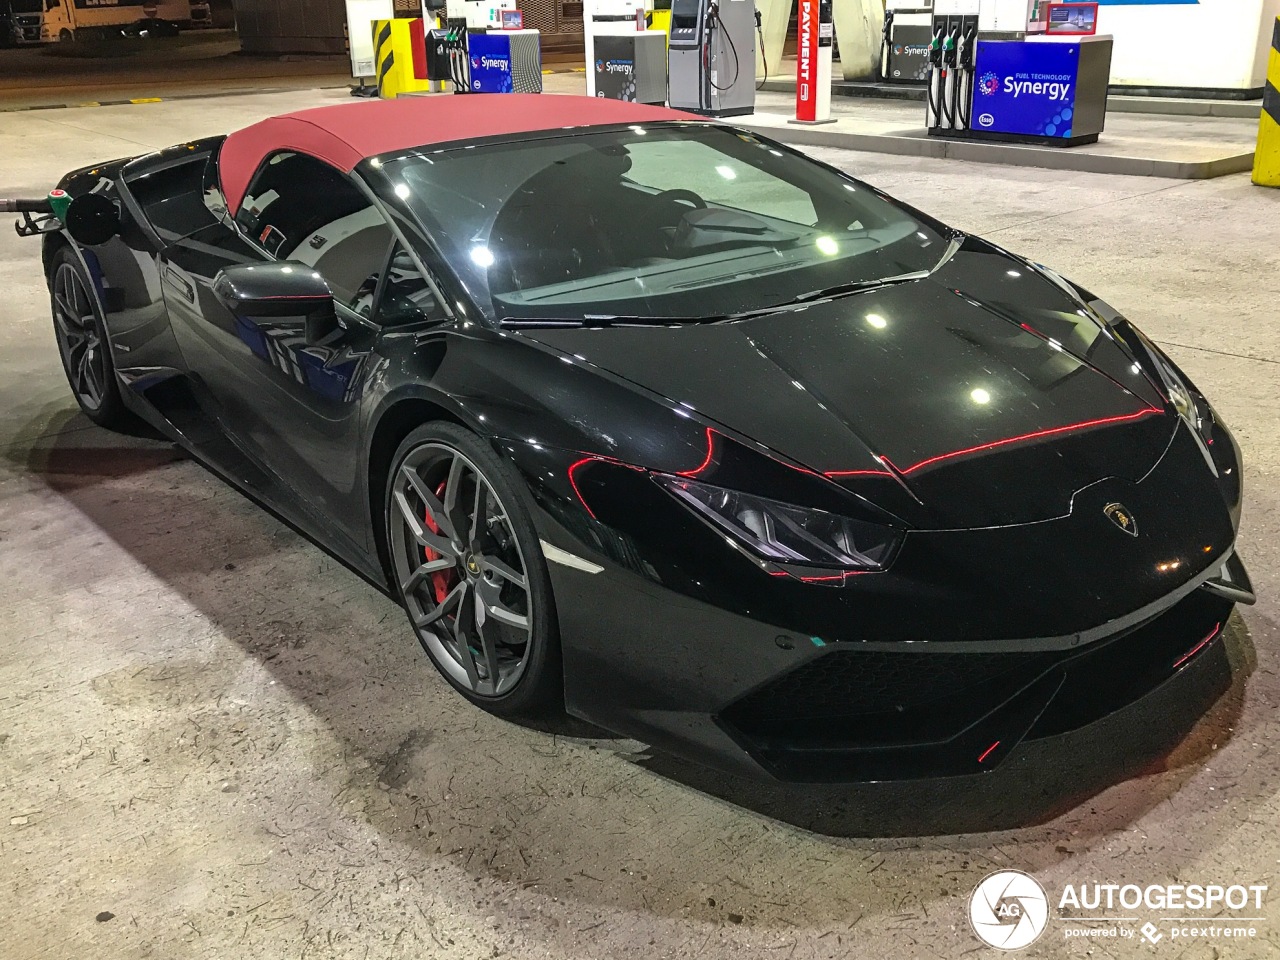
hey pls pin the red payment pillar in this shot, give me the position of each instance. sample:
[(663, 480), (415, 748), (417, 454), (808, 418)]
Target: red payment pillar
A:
[(813, 61)]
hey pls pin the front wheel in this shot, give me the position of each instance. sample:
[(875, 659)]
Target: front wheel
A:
[(65, 36), (82, 342), (470, 571)]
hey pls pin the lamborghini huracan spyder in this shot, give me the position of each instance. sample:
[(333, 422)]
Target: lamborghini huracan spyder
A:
[(664, 423)]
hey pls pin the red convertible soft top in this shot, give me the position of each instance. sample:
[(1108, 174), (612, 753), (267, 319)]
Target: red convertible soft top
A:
[(345, 134)]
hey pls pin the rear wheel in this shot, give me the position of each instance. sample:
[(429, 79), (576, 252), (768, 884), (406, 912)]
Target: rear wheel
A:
[(82, 342), (470, 572)]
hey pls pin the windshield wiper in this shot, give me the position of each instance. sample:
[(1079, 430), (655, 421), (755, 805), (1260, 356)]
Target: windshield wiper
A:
[(856, 286), (813, 296), (830, 293), (596, 320), (625, 320)]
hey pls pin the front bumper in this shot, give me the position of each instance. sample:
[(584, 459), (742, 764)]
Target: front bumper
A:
[(749, 698), (973, 640)]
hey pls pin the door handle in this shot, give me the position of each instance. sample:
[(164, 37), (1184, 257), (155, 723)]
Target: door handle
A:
[(180, 283)]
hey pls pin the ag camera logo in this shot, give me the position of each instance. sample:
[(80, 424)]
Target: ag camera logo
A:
[(986, 120), (988, 84), (1009, 910)]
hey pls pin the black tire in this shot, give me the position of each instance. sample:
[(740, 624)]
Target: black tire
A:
[(66, 36), (82, 342), (508, 535)]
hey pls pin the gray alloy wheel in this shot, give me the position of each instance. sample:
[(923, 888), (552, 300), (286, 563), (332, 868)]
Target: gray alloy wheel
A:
[(470, 572), (82, 342)]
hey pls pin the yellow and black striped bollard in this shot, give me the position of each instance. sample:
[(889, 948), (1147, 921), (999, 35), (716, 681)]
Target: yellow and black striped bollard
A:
[(1266, 160)]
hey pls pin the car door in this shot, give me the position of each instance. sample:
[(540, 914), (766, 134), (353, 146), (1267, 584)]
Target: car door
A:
[(290, 405)]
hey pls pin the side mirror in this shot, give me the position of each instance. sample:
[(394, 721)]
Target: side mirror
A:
[(92, 219), (282, 289)]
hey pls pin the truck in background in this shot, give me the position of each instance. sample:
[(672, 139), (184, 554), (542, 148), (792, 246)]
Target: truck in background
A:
[(24, 18), (54, 21)]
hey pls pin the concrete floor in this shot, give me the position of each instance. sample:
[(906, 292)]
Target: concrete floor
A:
[(215, 741)]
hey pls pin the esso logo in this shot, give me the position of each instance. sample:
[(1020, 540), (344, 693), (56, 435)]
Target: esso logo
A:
[(1009, 910), (986, 120)]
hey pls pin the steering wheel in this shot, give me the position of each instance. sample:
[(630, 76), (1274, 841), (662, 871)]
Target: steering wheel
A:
[(679, 193)]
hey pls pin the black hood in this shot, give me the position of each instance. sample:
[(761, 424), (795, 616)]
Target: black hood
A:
[(981, 396)]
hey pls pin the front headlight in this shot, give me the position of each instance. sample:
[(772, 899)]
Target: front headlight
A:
[(1191, 406), (785, 533)]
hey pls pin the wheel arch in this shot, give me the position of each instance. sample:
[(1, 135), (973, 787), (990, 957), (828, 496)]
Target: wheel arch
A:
[(53, 242), (395, 423)]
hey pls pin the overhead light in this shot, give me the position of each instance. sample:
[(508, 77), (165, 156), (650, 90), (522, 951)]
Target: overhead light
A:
[(482, 256), (980, 396), (403, 191), (827, 245), (727, 172), (877, 321), (1013, 273)]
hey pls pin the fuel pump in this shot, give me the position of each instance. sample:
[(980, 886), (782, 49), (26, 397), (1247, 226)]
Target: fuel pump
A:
[(949, 96), (611, 18), (711, 57)]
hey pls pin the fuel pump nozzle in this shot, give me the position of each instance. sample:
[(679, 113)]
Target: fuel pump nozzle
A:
[(933, 92), (948, 79), (886, 33), (965, 51)]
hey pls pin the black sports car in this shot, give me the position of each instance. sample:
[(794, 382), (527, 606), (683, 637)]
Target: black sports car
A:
[(666, 424)]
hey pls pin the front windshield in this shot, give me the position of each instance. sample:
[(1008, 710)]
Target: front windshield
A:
[(28, 6), (679, 222)]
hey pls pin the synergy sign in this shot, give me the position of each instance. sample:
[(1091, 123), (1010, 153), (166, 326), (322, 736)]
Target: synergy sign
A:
[(490, 63), (1018, 94)]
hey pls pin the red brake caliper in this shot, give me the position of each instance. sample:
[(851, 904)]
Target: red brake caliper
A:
[(442, 580)]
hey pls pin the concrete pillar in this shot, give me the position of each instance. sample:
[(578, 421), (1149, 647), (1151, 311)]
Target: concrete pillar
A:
[(858, 27)]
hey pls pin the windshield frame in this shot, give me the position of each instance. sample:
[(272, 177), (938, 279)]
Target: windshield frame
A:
[(380, 171)]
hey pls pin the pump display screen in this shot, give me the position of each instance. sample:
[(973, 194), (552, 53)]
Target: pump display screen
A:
[(684, 223), (684, 17), (1073, 19)]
